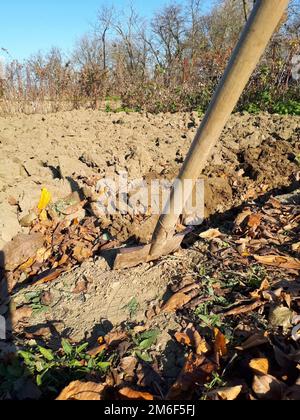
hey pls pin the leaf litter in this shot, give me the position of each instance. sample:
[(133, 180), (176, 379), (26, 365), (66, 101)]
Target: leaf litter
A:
[(240, 340)]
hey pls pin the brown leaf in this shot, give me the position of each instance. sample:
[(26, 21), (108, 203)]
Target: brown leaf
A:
[(177, 301), (242, 217), (279, 261), (255, 340), (130, 394), (21, 249), (48, 276), (220, 343), (254, 221), (244, 309), (81, 253), (128, 365), (210, 234), (201, 346), (183, 339), (97, 350), (114, 338), (267, 387), (196, 371), (82, 391), (260, 366), (230, 393)]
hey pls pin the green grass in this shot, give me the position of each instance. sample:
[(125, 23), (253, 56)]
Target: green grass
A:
[(52, 371)]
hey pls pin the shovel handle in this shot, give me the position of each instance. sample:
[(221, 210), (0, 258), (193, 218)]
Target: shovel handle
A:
[(262, 23)]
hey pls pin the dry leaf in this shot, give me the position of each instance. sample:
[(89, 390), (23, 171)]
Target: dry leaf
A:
[(177, 301), (244, 309), (211, 234), (201, 346), (260, 366), (267, 387), (27, 264), (82, 391), (184, 339), (196, 371), (230, 393), (82, 253), (21, 249), (97, 350), (48, 276), (264, 287), (296, 247), (114, 338), (242, 217), (128, 365), (220, 343), (130, 394), (279, 261), (254, 221), (255, 340)]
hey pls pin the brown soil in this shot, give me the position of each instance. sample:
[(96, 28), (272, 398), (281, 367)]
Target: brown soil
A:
[(255, 155)]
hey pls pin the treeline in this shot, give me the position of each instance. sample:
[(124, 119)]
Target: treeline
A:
[(171, 62)]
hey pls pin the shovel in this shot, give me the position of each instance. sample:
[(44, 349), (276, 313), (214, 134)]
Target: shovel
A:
[(255, 37)]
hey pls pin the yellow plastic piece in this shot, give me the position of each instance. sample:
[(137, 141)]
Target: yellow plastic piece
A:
[(44, 200)]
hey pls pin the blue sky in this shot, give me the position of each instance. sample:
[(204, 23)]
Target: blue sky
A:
[(27, 26)]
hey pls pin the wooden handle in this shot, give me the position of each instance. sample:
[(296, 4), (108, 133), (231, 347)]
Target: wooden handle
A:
[(258, 31)]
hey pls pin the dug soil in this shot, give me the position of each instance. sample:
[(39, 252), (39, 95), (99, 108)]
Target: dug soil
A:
[(256, 159)]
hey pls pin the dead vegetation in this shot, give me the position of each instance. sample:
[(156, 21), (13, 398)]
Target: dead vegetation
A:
[(171, 62)]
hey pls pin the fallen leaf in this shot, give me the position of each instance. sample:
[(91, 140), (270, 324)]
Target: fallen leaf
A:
[(254, 221), (197, 371), (264, 287), (230, 393), (201, 345), (210, 234), (128, 365), (184, 339), (177, 301), (255, 340), (114, 338), (21, 249), (296, 247), (279, 261), (242, 217), (260, 366), (275, 203), (97, 350), (220, 343), (82, 391), (29, 263), (48, 276), (130, 394), (244, 309), (267, 387), (82, 253)]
